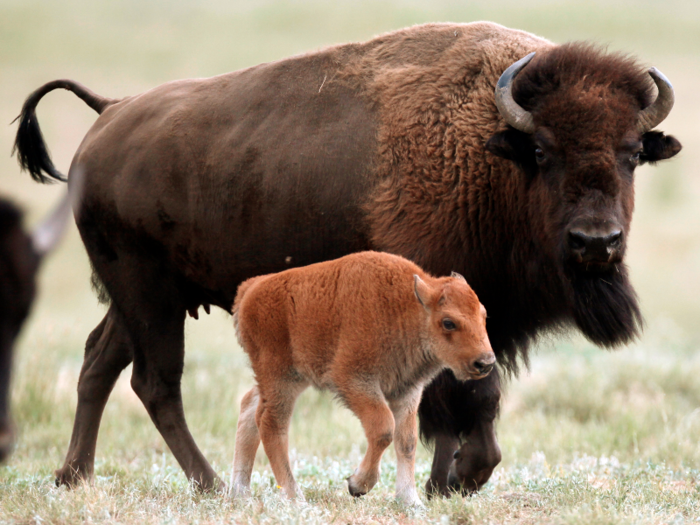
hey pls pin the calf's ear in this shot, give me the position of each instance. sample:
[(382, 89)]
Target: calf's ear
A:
[(422, 291), (459, 276), (658, 146)]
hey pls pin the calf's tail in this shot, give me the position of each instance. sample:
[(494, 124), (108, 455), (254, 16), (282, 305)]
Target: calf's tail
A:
[(32, 153), (242, 289)]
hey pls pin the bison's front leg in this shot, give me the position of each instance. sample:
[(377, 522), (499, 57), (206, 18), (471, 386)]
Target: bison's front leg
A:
[(475, 460), (378, 424), (107, 352), (445, 447)]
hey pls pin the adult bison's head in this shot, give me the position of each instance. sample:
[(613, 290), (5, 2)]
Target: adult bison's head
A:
[(580, 122)]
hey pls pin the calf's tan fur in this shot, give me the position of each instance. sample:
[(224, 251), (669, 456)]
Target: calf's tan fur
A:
[(371, 327)]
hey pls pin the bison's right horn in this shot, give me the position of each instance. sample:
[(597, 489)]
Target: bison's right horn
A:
[(509, 109), (653, 115)]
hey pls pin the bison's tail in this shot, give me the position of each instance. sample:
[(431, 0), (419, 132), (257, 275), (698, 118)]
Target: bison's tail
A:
[(32, 154)]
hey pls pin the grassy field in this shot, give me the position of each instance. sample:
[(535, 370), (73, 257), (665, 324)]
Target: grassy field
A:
[(587, 436)]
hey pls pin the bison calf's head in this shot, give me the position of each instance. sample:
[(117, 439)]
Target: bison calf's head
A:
[(580, 122), (456, 322)]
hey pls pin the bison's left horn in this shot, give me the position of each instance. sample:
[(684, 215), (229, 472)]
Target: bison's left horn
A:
[(509, 109), (652, 116), (47, 235)]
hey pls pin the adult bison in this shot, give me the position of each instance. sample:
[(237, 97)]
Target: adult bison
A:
[(397, 145), (20, 257)]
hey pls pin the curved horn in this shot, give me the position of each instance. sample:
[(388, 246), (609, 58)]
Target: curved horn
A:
[(653, 115), (509, 109), (47, 235)]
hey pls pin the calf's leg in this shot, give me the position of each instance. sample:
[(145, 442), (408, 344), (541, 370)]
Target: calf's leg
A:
[(107, 352), (405, 442), (273, 417), (378, 424), (247, 442)]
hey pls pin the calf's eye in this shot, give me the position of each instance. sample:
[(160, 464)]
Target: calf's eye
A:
[(449, 325), (634, 159)]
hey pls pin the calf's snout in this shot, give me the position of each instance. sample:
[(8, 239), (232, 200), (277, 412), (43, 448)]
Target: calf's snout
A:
[(483, 364)]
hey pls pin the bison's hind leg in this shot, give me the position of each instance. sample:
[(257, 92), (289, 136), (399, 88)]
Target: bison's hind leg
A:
[(107, 352), (157, 329), (247, 442)]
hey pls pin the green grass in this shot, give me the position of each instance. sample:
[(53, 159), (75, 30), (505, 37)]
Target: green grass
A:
[(587, 436)]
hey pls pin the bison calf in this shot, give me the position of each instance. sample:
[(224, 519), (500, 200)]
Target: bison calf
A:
[(371, 327)]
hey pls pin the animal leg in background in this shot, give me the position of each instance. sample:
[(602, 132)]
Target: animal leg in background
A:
[(107, 352), (475, 459), (273, 417), (464, 406), (7, 433), (247, 442), (405, 443), (378, 424), (445, 447)]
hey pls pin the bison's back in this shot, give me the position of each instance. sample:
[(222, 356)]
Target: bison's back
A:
[(236, 175), (278, 165)]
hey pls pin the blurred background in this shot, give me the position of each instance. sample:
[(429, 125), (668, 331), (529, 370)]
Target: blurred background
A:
[(124, 47)]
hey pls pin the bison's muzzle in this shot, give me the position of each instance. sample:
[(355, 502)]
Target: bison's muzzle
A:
[(598, 248)]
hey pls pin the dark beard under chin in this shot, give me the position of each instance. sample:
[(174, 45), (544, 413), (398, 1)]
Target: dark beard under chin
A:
[(605, 307)]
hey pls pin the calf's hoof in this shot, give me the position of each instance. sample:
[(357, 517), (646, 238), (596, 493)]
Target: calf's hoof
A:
[(359, 486), (356, 490), (410, 499)]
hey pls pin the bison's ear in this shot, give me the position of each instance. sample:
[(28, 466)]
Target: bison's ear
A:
[(501, 146), (658, 146), (510, 144), (517, 146), (422, 291)]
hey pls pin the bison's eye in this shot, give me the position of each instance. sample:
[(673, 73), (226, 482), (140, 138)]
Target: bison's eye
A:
[(449, 325), (634, 159), (540, 155)]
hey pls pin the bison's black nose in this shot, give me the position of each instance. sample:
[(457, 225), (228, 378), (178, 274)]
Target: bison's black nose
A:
[(484, 364), (600, 247)]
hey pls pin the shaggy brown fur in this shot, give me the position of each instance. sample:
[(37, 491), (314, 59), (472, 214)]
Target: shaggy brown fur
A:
[(371, 327), (394, 145)]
